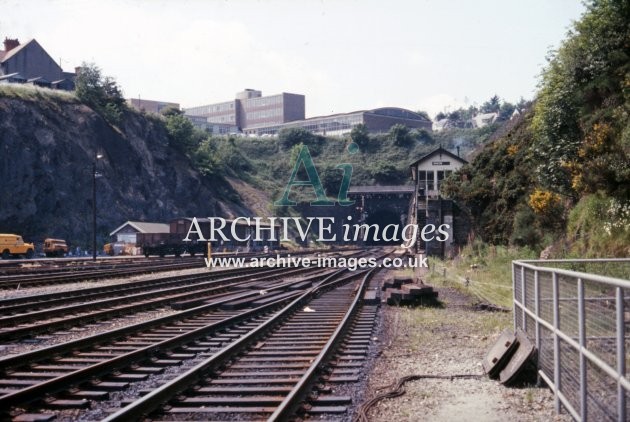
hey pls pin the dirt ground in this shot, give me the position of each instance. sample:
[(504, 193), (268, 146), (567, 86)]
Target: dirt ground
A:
[(449, 341)]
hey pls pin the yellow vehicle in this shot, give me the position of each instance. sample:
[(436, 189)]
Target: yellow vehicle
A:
[(14, 245), (108, 249), (55, 247), (118, 248)]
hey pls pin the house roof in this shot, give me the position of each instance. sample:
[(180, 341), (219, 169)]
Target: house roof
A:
[(381, 189), (14, 51), (437, 151), (144, 227)]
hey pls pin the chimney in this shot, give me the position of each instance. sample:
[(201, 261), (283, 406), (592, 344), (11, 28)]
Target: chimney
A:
[(77, 70), (458, 151), (10, 44)]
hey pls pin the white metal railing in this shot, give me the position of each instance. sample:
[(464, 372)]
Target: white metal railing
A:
[(581, 325)]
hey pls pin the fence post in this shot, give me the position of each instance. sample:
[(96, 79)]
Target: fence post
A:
[(537, 309), (514, 293), (523, 302), (556, 342), (621, 356), (582, 334)]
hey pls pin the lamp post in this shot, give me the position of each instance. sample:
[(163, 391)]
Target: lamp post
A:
[(96, 157)]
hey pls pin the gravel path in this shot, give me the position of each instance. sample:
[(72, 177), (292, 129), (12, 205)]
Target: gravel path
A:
[(448, 341)]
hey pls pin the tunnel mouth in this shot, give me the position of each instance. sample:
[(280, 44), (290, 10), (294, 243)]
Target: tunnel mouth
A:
[(382, 219)]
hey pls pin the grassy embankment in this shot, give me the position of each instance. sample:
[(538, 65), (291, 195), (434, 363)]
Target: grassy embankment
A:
[(34, 93), (488, 269)]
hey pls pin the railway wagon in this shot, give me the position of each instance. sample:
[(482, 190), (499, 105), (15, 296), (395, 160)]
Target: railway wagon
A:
[(173, 243), (168, 244), (242, 230)]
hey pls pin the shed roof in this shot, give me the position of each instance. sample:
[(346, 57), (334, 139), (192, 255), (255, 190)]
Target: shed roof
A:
[(15, 75), (144, 227), (239, 222)]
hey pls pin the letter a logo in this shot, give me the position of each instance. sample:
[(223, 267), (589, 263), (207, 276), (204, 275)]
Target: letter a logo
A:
[(304, 157)]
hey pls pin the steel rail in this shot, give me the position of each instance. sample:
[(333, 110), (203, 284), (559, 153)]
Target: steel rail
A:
[(159, 396), (125, 360), (14, 281), (66, 381), (42, 301), (293, 399), (123, 305)]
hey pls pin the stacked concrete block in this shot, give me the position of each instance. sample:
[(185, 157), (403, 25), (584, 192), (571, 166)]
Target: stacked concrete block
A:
[(404, 291)]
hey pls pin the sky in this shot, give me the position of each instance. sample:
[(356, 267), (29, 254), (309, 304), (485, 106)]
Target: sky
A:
[(343, 55)]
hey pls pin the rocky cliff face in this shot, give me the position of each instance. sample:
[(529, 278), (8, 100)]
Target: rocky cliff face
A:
[(47, 149)]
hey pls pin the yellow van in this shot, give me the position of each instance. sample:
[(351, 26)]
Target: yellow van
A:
[(14, 245)]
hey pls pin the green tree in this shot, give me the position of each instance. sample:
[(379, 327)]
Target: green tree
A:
[(231, 158), (424, 114), (506, 110), (360, 135), (423, 136), (171, 111), (385, 173), (400, 135), (181, 133), (88, 85), (205, 158), (103, 94), (581, 123), (289, 137), (492, 105)]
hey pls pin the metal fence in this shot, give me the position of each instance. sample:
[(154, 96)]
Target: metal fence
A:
[(581, 325)]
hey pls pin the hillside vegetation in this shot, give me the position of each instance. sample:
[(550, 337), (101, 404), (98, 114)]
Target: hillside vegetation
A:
[(48, 144), (380, 159), (563, 170)]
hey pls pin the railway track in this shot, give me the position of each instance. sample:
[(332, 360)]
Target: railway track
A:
[(29, 316), (12, 277), (70, 276), (269, 372), (87, 376), (46, 300), (90, 368), (52, 265)]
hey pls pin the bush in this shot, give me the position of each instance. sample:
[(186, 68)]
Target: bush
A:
[(400, 135), (103, 94), (289, 137), (524, 232), (181, 133), (205, 158), (599, 226), (360, 135)]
